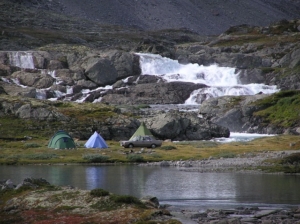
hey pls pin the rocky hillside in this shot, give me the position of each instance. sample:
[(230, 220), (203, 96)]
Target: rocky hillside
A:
[(203, 17), (64, 51)]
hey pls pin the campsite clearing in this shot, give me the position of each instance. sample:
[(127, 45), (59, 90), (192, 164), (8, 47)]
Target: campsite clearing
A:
[(35, 151)]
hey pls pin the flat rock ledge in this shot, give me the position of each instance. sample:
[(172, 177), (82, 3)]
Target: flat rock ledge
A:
[(246, 162), (241, 215)]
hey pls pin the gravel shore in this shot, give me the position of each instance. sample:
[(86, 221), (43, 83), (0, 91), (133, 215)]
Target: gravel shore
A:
[(244, 162)]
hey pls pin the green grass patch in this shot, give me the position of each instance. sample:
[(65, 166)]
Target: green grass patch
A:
[(281, 108), (155, 156), (226, 155), (199, 144), (32, 145), (41, 156)]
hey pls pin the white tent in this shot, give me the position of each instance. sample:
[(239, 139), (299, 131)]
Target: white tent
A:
[(96, 141)]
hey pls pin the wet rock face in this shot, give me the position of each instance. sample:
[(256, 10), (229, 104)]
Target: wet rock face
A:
[(152, 93)]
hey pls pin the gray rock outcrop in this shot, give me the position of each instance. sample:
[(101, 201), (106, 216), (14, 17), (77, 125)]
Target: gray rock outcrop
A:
[(234, 113), (118, 126), (178, 125)]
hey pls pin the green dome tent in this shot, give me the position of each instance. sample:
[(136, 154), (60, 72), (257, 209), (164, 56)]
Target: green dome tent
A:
[(61, 140), (141, 131)]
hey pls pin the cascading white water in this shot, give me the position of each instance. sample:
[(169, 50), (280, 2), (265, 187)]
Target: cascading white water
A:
[(21, 59), (220, 80)]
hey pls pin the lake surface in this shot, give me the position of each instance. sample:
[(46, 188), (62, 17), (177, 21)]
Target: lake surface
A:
[(170, 185)]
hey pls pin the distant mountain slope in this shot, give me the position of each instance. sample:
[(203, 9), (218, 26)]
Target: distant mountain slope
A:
[(202, 16)]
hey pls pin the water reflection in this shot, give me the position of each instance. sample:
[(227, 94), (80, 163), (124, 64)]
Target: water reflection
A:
[(168, 184), (190, 185)]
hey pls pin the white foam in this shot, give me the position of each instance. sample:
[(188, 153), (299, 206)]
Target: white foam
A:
[(241, 137)]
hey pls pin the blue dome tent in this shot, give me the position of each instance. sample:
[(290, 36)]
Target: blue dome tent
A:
[(96, 141)]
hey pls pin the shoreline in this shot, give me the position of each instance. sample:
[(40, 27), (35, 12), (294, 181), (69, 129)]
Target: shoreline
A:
[(248, 162)]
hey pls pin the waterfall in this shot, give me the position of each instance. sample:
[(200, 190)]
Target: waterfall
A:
[(220, 80), (21, 59)]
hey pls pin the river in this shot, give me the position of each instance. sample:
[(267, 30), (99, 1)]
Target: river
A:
[(170, 185)]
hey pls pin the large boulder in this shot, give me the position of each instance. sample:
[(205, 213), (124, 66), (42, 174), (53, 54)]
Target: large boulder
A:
[(105, 68), (100, 71), (125, 63), (178, 125), (33, 79)]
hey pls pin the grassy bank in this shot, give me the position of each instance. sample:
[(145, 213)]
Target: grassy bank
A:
[(35, 151)]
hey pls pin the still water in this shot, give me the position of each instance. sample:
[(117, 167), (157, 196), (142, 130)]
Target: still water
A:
[(170, 185)]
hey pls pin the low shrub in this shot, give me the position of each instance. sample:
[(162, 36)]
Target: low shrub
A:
[(291, 169), (135, 158), (14, 157), (98, 192), (291, 159), (126, 199), (168, 147), (96, 158)]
